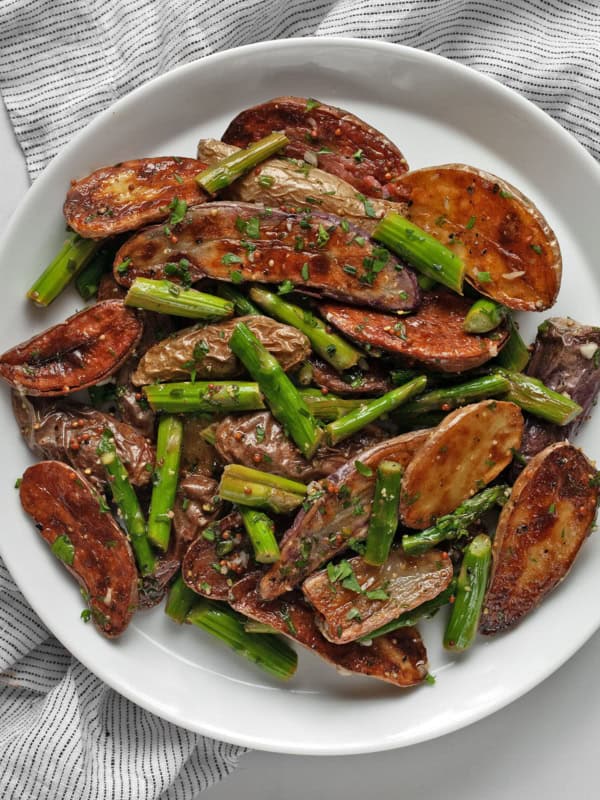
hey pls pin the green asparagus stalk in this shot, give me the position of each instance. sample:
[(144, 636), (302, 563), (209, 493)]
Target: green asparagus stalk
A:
[(373, 409), (384, 513), (515, 353), (470, 591), (222, 174), (261, 531), (285, 401), (450, 397), (454, 525), (179, 600), (329, 406), (267, 651), (426, 283), (88, 280), (127, 502), (217, 396), (331, 347), (484, 315), (72, 257), (304, 376), (410, 618), (251, 487), (533, 396), (166, 474), (242, 306), (421, 250), (166, 297)]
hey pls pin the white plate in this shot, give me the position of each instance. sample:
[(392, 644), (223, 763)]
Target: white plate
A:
[(437, 112)]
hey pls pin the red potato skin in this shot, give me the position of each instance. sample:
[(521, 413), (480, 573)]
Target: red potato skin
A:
[(432, 337), (498, 232), (541, 529), (214, 234), (80, 352), (371, 381), (71, 433), (361, 155), (130, 195), (62, 503), (321, 530), (399, 658)]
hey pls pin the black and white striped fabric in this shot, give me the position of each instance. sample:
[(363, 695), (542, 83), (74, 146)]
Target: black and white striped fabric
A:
[(62, 732)]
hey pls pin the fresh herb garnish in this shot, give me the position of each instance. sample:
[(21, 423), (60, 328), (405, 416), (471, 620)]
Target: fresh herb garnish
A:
[(363, 469)]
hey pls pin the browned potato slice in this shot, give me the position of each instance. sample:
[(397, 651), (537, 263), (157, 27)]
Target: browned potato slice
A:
[(71, 433), (356, 381), (401, 584), (338, 510), (295, 184), (550, 513), (433, 336), (344, 144), (236, 242), (79, 352), (464, 453), (129, 195), (205, 352), (258, 440), (86, 539), (399, 658), (207, 568), (510, 252)]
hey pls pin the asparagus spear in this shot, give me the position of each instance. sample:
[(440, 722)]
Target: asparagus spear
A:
[(286, 403), (470, 591), (166, 297), (420, 250), (454, 525), (222, 174), (331, 347), (484, 315), (536, 398), (72, 257), (242, 306), (267, 651), (515, 353), (450, 397), (179, 600), (218, 396), (329, 406), (166, 473), (384, 512), (87, 281), (373, 409), (410, 618), (251, 487), (252, 626), (261, 531), (127, 502)]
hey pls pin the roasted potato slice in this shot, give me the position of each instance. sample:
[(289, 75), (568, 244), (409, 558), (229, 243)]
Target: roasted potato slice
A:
[(292, 184), (205, 352), (86, 539), (546, 520), (211, 564), (71, 433), (258, 440), (343, 144), (401, 584), (433, 336), (463, 454), (510, 252), (333, 513), (235, 242), (79, 352), (399, 658), (355, 381), (130, 195), (565, 358)]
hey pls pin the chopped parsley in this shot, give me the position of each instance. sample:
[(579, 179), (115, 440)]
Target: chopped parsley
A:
[(367, 205), (123, 267), (322, 236), (231, 258), (536, 249), (471, 223), (285, 287), (266, 181), (358, 155), (178, 210), (305, 271), (236, 276), (484, 277), (363, 469), (62, 547), (311, 104)]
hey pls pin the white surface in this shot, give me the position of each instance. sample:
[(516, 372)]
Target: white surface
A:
[(442, 764)]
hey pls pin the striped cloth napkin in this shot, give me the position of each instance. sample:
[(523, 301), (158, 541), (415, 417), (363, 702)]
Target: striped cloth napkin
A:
[(62, 732)]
